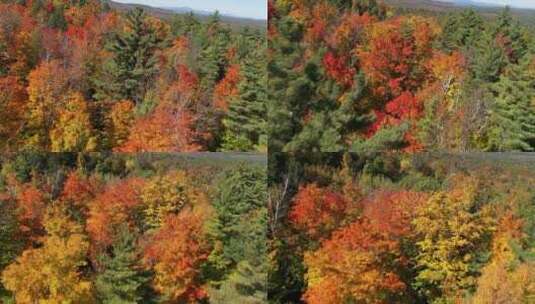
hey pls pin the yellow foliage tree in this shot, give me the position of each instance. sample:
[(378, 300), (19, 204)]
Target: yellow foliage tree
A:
[(506, 279), (46, 87), (72, 131), (451, 230), (168, 194), (120, 120), (50, 274)]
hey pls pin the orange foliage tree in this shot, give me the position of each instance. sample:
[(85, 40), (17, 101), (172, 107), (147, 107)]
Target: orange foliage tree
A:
[(116, 205), (175, 253), (317, 211), (227, 88), (363, 260)]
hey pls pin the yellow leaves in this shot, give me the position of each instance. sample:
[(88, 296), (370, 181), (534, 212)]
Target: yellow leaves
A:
[(50, 274), (46, 86), (72, 131), (502, 281), (166, 195), (120, 120), (450, 226)]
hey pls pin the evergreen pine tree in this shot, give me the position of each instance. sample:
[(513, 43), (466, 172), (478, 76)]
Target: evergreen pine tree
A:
[(288, 91), (129, 73), (510, 31), (489, 61), (462, 31), (511, 121), (247, 283), (121, 282), (239, 203), (212, 59), (57, 18), (246, 117)]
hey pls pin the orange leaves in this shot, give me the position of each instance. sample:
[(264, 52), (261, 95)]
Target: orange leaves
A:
[(363, 260), (349, 33), (353, 263), (32, 206), (166, 129), (79, 190), (175, 253), (447, 67), (394, 60), (227, 88), (392, 212), (187, 80), (114, 206), (12, 106), (317, 211)]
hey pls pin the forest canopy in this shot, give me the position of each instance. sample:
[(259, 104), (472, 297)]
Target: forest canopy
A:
[(125, 228), (362, 76), (399, 228), (78, 76)]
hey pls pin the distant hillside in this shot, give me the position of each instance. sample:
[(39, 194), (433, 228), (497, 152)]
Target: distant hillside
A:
[(525, 16), (167, 13)]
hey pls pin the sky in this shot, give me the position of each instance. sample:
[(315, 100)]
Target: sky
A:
[(256, 9), (512, 3)]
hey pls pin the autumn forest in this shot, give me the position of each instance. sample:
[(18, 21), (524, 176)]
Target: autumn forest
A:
[(267, 151), (400, 228), (132, 228), (77, 76), (360, 76)]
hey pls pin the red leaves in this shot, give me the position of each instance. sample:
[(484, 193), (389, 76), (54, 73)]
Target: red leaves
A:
[(354, 263), (317, 211), (78, 190), (394, 60), (405, 106), (338, 68), (363, 260), (187, 81)]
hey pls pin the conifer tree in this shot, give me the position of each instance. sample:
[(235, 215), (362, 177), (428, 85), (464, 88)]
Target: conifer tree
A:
[(511, 121), (462, 31), (212, 60), (128, 74), (508, 33), (239, 206), (489, 60), (121, 282), (288, 91), (246, 117)]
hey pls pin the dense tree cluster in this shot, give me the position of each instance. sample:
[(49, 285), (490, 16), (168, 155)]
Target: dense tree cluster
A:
[(99, 228), (78, 76), (399, 228), (358, 76)]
